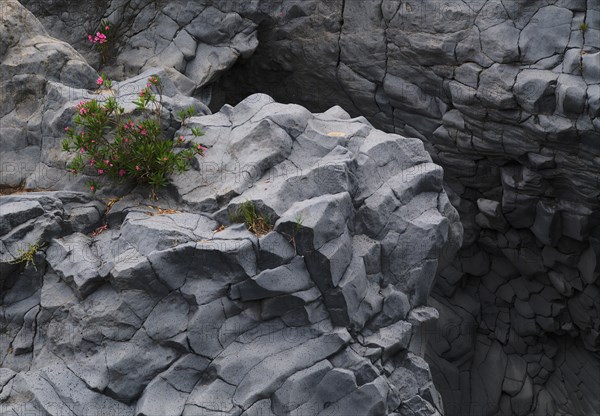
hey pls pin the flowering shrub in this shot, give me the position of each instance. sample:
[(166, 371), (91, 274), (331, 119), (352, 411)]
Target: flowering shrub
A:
[(102, 39), (108, 144)]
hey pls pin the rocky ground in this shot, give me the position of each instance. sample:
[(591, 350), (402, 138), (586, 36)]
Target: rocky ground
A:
[(133, 306), (505, 96), (166, 313)]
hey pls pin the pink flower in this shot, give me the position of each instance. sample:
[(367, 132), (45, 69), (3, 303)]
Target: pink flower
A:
[(122, 172), (99, 81), (83, 134), (99, 38), (92, 188), (93, 141), (82, 111), (107, 27), (111, 165), (100, 171), (164, 158), (143, 132), (131, 124), (91, 38), (126, 140), (81, 150), (66, 129), (137, 167), (181, 138)]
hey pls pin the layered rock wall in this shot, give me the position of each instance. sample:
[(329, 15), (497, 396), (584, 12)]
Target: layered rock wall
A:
[(506, 97)]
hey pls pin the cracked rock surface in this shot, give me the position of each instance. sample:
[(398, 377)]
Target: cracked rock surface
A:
[(41, 81), (32, 63), (197, 41), (168, 313), (505, 97)]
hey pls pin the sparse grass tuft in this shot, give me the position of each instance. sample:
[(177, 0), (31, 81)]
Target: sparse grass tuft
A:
[(297, 228), (584, 27), (257, 222), (298, 224)]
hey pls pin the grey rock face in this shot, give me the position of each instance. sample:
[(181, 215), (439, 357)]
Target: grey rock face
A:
[(196, 41), (42, 79), (504, 95), (30, 61), (172, 314)]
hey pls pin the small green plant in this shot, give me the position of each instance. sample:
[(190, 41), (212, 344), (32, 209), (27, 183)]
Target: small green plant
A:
[(27, 255), (294, 232), (103, 40), (583, 27), (297, 228), (298, 223), (247, 213), (108, 144)]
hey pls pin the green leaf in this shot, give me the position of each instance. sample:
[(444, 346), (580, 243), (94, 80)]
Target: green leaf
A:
[(197, 131), (182, 116)]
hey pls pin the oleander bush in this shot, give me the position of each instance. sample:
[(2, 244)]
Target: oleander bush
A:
[(105, 142), (103, 40)]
